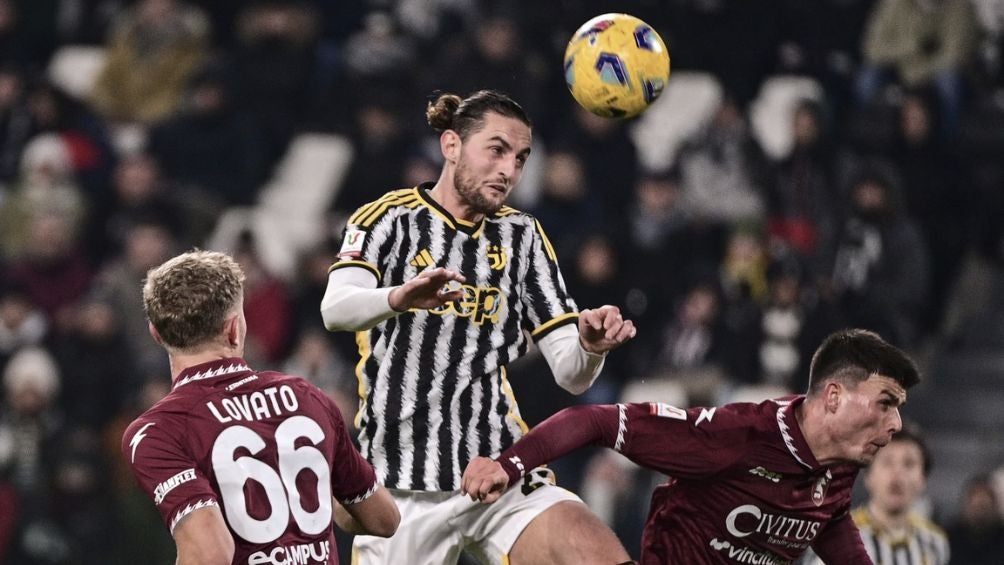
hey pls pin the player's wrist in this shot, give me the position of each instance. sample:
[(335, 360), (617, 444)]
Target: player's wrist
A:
[(395, 301), (513, 467), (589, 349)]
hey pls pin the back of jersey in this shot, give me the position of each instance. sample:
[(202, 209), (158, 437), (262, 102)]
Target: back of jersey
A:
[(269, 449)]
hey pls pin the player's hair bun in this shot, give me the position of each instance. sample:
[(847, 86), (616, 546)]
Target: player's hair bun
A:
[(440, 113)]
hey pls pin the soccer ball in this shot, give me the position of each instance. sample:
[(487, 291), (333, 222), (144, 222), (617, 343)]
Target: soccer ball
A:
[(616, 65)]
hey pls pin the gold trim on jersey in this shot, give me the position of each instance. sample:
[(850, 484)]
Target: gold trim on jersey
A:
[(352, 263), (506, 211), (553, 323), (547, 242), (367, 210), (363, 343), (374, 213), (514, 409)]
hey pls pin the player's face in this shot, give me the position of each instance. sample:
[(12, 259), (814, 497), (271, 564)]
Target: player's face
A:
[(491, 163), (866, 417), (896, 477)]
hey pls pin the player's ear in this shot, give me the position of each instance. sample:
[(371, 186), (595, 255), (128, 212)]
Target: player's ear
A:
[(154, 334), (233, 330), (831, 394), (449, 144)]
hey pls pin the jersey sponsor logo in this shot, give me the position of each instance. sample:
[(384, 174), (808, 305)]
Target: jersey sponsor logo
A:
[(138, 437), (498, 257), (243, 381), (479, 303), (783, 530), (706, 415), (170, 484), (741, 554), (820, 488), (259, 405), (301, 554), (352, 245), (664, 410), (422, 259), (764, 473)]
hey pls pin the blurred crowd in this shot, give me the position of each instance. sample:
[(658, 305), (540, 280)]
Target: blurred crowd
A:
[(734, 261)]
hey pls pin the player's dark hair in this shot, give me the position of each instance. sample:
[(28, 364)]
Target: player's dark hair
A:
[(466, 116), (854, 355), (911, 434), (188, 298)]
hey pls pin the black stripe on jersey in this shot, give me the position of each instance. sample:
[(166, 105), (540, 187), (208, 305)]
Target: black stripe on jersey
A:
[(426, 380), (465, 414), (485, 346), (448, 218), (397, 380), (367, 209), (365, 265)]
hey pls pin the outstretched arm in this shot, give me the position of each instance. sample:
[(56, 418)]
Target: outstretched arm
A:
[(202, 538), (486, 479), (576, 356), (353, 302)]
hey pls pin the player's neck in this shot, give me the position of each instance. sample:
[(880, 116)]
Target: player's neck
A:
[(183, 360), (810, 418), (446, 195), (892, 522)]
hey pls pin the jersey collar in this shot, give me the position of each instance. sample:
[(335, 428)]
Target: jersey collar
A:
[(212, 369), (472, 229), (791, 433)]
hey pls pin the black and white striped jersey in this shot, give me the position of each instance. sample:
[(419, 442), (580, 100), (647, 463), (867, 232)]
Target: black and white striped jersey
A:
[(432, 383), (923, 542)]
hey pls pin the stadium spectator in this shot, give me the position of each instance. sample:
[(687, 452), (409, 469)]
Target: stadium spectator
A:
[(759, 480), (977, 537), (152, 51), (419, 275), (919, 43), (183, 454), (880, 267)]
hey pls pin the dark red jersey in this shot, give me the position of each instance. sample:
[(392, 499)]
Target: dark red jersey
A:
[(271, 450), (744, 486)]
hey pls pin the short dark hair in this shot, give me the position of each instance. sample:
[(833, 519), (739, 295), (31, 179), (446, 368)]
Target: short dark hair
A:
[(467, 115), (855, 355)]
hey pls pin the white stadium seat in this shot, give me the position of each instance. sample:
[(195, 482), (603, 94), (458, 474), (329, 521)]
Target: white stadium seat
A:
[(772, 112), (75, 68), (685, 107)]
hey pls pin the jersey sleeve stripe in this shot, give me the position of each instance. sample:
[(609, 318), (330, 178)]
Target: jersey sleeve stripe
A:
[(621, 427), (368, 219), (363, 264), (554, 323), (361, 497), (368, 208), (547, 242)]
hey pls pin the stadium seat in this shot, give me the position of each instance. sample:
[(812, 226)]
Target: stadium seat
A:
[(771, 111), (75, 68), (292, 207), (685, 107)]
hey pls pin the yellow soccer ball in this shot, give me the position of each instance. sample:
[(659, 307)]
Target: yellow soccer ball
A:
[(616, 65)]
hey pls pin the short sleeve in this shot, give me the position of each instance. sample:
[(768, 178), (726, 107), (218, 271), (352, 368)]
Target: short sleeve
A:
[(688, 444), (367, 232), (352, 477), (546, 299), (164, 469)]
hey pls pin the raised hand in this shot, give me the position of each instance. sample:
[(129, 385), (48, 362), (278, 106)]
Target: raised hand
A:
[(484, 480), (603, 329), (427, 290)]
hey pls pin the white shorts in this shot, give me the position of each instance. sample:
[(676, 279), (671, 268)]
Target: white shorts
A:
[(437, 526)]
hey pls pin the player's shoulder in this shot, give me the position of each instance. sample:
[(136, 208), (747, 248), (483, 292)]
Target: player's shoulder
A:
[(395, 200), (165, 422), (922, 523)]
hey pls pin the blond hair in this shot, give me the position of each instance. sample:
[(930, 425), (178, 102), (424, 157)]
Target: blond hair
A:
[(188, 298)]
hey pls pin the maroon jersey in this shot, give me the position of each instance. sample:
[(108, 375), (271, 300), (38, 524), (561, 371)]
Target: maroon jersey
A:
[(269, 449), (744, 486)]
